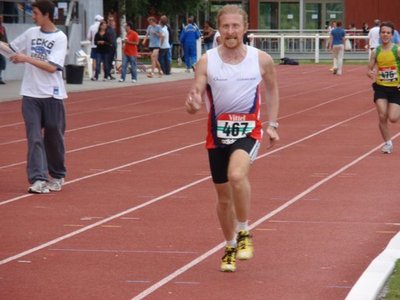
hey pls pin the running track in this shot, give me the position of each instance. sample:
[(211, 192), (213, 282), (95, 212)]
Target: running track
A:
[(136, 218)]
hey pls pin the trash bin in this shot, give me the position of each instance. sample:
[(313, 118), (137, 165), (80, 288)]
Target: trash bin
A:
[(176, 50), (74, 74)]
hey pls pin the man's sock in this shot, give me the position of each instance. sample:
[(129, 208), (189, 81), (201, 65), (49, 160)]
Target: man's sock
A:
[(242, 226)]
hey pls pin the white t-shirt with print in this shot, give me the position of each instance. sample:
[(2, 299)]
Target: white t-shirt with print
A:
[(46, 46)]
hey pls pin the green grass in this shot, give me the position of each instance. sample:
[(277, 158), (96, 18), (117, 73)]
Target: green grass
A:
[(393, 286)]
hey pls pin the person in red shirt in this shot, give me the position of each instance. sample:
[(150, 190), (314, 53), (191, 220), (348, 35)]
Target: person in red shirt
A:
[(130, 52)]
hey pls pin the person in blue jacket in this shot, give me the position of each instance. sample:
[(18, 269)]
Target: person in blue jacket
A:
[(189, 36)]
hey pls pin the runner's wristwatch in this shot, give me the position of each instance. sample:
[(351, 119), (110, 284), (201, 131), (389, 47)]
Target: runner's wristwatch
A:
[(273, 124)]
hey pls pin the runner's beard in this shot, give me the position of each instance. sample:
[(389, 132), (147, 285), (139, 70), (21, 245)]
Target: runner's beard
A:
[(232, 43)]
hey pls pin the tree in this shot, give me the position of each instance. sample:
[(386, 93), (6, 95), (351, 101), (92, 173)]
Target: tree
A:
[(138, 10)]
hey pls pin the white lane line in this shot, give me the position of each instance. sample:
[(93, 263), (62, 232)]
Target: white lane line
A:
[(11, 125), (114, 141), (117, 140), (99, 223), (109, 170), (102, 124), (178, 108), (122, 251), (83, 229), (108, 108), (192, 145), (324, 103), (207, 254), (176, 150), (186, 282)]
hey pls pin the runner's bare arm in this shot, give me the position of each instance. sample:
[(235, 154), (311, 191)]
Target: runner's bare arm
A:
[(194, 98), (268, 74), (371, 65)]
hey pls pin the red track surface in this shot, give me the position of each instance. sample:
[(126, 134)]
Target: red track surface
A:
[(137, 214)]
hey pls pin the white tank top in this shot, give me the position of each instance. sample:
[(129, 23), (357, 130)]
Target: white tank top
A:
[(233, 88)]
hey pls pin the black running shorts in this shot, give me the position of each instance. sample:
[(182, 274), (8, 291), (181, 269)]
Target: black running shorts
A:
[(219, 157), (391, 94)]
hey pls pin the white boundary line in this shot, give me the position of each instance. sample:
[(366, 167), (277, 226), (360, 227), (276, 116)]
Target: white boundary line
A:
[(373, 279), (370, 275), (116, 141), (172, 126), (86, 228), (61, 238), (110, 170), (101, 124), (92, 99), (183, 148), (196, 261)]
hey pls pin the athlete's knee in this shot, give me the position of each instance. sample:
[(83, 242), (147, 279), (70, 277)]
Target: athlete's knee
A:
[(236, 177), (393, 119)]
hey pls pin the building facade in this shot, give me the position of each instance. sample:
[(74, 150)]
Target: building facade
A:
[(312, 14)]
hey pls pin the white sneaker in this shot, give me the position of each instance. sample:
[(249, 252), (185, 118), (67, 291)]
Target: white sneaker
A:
[(55, 184), (39, 187), (133, 80), (387, 149), (121, 80)]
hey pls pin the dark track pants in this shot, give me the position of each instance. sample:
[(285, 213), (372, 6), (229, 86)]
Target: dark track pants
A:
[(45, 127)]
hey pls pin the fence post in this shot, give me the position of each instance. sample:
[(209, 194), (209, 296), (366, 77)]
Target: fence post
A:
[(282, 46), (198, 49), (317, 48)]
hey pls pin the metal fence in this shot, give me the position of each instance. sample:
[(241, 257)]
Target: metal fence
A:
[(308, 46)]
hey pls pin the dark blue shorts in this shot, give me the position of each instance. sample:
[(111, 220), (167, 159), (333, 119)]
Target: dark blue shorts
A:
[(93, 53)]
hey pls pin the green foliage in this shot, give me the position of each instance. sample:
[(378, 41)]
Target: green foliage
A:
[(172, 7)]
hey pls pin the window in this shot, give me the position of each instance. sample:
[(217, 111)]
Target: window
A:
[(312, 16), (285, 14), (269, 15), (334, 11)]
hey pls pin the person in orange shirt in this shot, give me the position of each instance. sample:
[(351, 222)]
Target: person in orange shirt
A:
[(130, 52)]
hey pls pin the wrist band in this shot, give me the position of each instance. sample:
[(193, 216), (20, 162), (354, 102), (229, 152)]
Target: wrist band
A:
[(273, 124)]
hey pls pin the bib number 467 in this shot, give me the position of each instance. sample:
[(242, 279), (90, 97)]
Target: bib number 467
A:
[(235, 129)]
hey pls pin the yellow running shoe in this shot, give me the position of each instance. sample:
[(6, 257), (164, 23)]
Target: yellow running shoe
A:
[(245, 248), (228, 263)]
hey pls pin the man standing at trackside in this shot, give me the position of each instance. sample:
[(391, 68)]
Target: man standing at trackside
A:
[(43, 49)]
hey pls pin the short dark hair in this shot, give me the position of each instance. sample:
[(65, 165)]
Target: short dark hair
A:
[(45, 7), (130, 24), (387, 24)]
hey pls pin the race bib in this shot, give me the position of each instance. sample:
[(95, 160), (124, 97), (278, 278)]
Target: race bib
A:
[(232, 126), (388, 74)]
